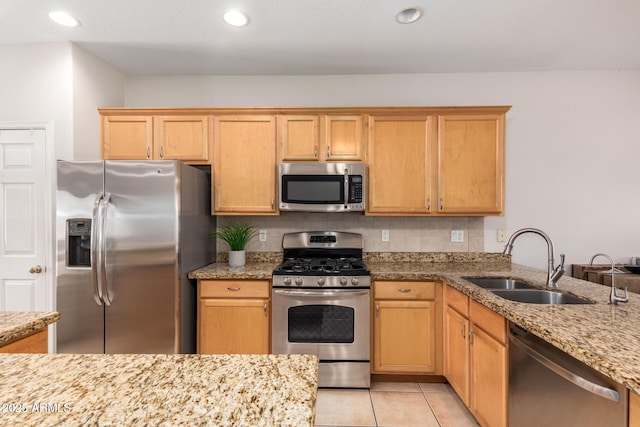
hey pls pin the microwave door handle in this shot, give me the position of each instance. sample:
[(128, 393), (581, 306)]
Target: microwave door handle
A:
[(346, 188)]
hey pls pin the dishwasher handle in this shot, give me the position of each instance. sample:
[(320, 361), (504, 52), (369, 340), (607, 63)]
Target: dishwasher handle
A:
[(576, 379)]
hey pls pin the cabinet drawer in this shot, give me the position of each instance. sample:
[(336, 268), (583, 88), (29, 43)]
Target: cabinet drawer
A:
[(405, 290), (489, 321), (457, 300), (234, 289)]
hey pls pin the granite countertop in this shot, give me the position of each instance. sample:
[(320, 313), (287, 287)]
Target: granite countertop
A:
[(603, 336), (145, 389), (18, 324)]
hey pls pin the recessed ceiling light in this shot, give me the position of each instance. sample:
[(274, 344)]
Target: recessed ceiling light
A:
[(235, 18), (63, 18), (409, 15)]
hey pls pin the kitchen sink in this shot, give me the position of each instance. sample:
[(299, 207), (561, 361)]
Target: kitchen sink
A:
[(499, 283), (539, 296)]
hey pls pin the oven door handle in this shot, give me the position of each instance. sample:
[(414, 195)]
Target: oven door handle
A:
[(328, 293)]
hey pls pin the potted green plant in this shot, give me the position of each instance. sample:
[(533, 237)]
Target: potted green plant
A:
[(237, 236)]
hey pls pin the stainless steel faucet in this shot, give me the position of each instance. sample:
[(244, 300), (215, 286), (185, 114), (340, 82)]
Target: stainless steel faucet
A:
[(613, 297), (553, 273)]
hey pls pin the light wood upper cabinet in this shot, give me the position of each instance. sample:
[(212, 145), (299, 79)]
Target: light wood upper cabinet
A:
[(127, 137), (244, 165), (441, 164), (299, 138), (471, 164), (407, 327), (400, 165), (180, 137), (321, 137), (344, 137), (233, 317)]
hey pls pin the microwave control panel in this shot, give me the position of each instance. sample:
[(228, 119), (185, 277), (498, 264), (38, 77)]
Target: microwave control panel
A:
[(355, 188)]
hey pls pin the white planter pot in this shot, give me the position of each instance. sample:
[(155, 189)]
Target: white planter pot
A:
[(236, 258)]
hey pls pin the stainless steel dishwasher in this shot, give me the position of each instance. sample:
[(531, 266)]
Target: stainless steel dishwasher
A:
[(547, 387)]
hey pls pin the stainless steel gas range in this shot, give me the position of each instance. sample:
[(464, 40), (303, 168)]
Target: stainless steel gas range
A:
[(321, 302)]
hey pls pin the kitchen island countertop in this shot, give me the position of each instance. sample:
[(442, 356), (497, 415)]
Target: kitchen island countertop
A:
[(145, 389), (17, 324), (603, 336)]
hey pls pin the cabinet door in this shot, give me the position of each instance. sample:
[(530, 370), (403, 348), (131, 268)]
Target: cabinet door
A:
[(233, 326), (244, 165), (34, 343), (488, 379), (634, 409), (182, 138), (471, 164), (456, 353), (399, 167), (127, 137), (344, 137), (404, 337), (299, 137)]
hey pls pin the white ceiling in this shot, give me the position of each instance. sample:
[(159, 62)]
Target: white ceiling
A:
[(314, 37)]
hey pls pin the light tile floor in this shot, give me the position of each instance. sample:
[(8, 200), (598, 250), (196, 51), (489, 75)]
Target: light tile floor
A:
[(393, 405)]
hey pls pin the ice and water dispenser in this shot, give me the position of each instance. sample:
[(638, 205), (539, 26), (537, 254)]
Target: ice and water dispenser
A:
[(79, 242)]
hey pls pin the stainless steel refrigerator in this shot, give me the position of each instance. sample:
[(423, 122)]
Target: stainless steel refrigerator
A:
[(128, 232)]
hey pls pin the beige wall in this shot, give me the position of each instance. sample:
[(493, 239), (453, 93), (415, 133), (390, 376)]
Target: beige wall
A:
[(573, 141)]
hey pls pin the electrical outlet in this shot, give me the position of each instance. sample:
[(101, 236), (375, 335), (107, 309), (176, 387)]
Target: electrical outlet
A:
[(457, 236), (385, 235), (502, 236), (262, 235)]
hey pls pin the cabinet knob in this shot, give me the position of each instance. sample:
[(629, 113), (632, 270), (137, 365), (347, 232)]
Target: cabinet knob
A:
[(161, 152), (148, 152), (328, 151), (234, 289), (315, 151), (404, 290)]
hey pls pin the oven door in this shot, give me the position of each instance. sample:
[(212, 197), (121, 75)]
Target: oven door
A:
[(333, 324)]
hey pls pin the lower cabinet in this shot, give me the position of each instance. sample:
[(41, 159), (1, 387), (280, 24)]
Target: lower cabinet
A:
[(33, 343), (634, 409), (233, 317), (407, 327), (475, 357)]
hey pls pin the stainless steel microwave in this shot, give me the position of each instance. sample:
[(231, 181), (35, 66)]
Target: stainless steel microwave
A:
[(322, 187)]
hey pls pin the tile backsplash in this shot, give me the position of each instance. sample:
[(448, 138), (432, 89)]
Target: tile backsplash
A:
[(406, 234)]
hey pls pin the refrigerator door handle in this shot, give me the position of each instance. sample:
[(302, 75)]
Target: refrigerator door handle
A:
[(103, 249), (95, 261)]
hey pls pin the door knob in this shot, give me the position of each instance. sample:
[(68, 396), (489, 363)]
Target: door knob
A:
[(35, 269)]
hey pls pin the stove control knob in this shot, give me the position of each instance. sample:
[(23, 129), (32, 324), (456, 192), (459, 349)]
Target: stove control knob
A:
[(321, 281), (343, 281), (299, 281), (355, 281), (287, 281)]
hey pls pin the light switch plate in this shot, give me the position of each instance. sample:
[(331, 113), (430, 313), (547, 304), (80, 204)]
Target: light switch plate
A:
[(502, 237), (262, 235), (385, 235), (457, 236)]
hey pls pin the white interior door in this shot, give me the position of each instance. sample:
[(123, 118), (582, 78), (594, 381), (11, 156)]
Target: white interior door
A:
[(24, 213)]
